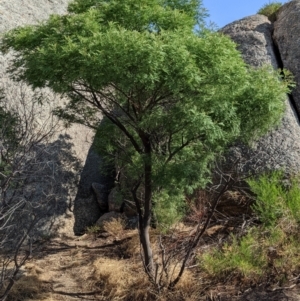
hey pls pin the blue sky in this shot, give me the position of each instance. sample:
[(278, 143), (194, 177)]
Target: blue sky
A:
[(223, 12)]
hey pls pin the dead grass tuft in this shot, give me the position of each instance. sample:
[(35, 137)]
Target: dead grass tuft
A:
[(29, 288), (125, 280), (132, 248), (33, 269), (115, 227), (116, 278)]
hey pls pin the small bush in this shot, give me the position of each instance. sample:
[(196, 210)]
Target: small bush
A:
[(274, 200), (95, 229), (255, 256), (270, 9), (242, 257), (270, 194), (168, 210), (270, 247), (293, 199)]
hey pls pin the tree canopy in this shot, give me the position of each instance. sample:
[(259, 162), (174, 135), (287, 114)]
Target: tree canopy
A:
[(173, 99)]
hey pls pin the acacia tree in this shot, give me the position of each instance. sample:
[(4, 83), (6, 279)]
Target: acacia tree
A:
[(173, 99)]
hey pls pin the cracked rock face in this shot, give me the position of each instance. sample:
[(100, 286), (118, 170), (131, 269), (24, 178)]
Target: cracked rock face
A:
[(280, 148), (287, 37)]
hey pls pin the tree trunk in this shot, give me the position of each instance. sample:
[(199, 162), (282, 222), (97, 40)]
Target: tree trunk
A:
[(146, 219)]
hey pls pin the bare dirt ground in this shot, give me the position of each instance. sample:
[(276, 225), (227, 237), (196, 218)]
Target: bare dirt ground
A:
[(60, 269)]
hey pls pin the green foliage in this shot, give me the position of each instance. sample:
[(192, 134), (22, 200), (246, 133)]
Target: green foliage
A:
[(243, 257), (275, 241), (260, 98), (269, 198), (270, 9), (149, 15), (173, 99), (274, 199), (293, 199), (93, 230), (250, 257), (168, 209)]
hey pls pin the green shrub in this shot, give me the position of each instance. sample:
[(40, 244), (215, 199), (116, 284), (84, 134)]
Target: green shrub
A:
[(270, 204), (277, 207), (274, 200), (94, 229), (270, 9), (168, 209), (293, 199), (243, 257)]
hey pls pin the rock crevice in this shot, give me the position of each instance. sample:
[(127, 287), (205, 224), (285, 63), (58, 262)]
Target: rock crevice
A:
[(286, 38), (281, 66), (280, 148)]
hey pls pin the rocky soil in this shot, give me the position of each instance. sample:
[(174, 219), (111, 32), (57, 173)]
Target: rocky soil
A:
[(93, 266)]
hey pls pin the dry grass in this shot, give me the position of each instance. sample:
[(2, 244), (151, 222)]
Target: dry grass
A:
[(111, 278), (131, 248), (115, 227), (30, 287), (125, 280), (58, 275), (110, 268), (114, 277)]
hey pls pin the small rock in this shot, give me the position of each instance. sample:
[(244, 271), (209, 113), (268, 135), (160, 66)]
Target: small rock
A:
[(107, 217)]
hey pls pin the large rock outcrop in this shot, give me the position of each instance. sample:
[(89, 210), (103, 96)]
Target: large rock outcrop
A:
[(280, 148), (57, 175), (18, 13), (287, 37), (70, 159)]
